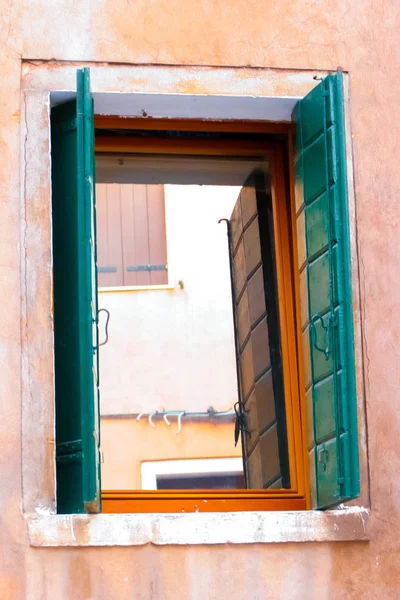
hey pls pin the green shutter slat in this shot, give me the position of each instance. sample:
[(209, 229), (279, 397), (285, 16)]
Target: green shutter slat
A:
[(75, 303), (321, 198), (318, 225)]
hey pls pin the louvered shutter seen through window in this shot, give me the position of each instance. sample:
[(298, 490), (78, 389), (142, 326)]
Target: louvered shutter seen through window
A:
[(258, 339)]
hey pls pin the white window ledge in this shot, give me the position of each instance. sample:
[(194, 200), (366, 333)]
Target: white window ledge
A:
[(349, 524), (136, 288)]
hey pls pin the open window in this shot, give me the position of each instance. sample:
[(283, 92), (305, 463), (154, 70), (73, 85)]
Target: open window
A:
[(293, 409)]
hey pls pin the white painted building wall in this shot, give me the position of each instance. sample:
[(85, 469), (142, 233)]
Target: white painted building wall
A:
[(173, 349)]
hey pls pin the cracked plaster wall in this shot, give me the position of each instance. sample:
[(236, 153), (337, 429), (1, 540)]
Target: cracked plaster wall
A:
[(362, 38)]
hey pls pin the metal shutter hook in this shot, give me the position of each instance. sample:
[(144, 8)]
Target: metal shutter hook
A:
[(106, 325)]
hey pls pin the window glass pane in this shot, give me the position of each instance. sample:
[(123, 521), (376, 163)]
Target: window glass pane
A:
[(176, 357)]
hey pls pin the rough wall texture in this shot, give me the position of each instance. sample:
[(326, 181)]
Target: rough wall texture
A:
[(360, 37)]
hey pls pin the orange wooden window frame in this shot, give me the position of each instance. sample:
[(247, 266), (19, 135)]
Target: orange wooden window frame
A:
[(282, 188)]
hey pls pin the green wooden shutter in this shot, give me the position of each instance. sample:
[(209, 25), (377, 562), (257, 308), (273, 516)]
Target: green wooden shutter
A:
[(75, 303), (326, 295)]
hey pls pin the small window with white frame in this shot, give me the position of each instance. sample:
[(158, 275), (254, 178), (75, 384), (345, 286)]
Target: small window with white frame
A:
[(205, 473)]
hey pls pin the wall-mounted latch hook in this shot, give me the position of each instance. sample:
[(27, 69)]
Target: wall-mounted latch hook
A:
[(315, 319)]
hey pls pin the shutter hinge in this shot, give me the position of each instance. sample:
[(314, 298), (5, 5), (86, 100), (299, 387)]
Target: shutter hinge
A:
[(333, 319), (240, 421)]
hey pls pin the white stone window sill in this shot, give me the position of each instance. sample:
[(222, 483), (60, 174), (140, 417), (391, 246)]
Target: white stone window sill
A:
[(136, 288), (348, 524)]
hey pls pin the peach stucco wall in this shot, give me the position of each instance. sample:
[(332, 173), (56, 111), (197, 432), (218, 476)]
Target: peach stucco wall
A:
[(360, 37)]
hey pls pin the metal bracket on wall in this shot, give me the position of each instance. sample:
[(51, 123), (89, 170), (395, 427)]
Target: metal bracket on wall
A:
[(138, 268), (106, 269)]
